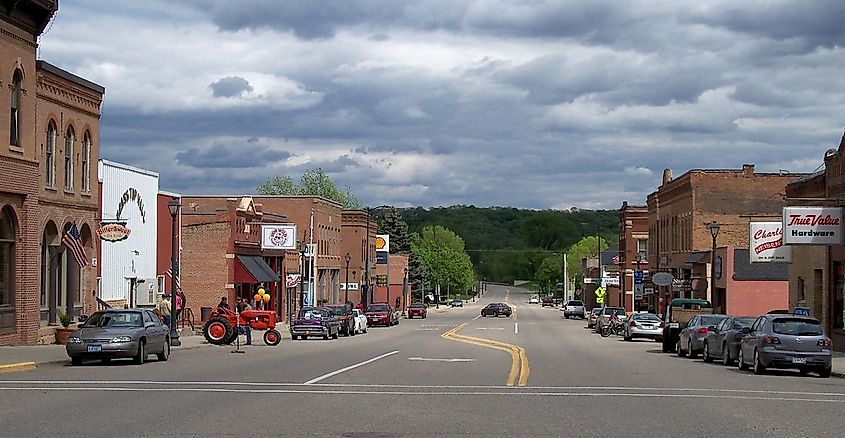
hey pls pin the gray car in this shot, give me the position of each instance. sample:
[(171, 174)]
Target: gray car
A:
[(573, 308), (723, 341), (786, 341), (691, 339), (117, 333), (644, 325)]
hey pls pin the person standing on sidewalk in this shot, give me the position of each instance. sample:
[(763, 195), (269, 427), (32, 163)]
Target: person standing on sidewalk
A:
[(241, 306), (164, 309)]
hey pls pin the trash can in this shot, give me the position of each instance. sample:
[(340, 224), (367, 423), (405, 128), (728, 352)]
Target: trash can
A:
[(205, 312)]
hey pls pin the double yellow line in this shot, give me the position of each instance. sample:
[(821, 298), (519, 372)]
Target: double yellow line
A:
[(519, 360)]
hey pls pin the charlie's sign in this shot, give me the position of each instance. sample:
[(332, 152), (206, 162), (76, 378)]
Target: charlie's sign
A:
[(766, 243), (812, 225), (113, 232), (278, 236)]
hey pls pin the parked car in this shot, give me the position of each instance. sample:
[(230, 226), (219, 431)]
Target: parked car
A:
[(644, 325), (116, 333), (534, 300), (314, 321), (594, 316), (417, 309), (344, 315), (548, 302), (457, 303), (496, 309), (786, 341), (381, 314), (678, 314), (360, 321), (573, 308), (723, 342), (691, 339), (603, 318)]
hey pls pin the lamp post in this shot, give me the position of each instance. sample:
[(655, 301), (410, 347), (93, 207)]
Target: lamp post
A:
[(174, 205), (714, 231), (347, 258), (404, 289), (302, 292), (642, 285)]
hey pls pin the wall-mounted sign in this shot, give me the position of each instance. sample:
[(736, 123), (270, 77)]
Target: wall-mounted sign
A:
[(113, 232), (381, 280), (292, 280), (382, 258), (382, 243), (766, 243), (278, 236), (662, 279), (132, 195), (351, 286), (812, 225)]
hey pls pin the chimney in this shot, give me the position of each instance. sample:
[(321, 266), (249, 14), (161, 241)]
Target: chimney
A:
[(748, 169), (667, 175)]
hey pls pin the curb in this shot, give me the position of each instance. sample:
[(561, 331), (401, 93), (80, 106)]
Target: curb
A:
[(21, 366)]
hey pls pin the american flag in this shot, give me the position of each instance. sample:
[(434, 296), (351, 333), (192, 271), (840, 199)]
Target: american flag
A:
[(73, 242), (169, 273)]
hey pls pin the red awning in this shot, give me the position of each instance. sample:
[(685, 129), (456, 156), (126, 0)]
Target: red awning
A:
[(253, 269)]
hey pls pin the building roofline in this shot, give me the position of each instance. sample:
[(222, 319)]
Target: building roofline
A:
[(171, 194), (46, 66), (128, 167), (268, 196)]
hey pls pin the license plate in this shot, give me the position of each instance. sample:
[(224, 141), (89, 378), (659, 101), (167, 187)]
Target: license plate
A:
[(648, 327), (801, 360), (674, 325), (95, 348)]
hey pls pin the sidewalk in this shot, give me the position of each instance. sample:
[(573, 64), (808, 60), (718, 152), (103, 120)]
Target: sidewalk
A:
[(838, 364), (27, 357)]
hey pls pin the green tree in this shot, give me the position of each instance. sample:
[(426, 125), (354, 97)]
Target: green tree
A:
[(441, 251), (586, 247), (549, 273), (397, 228), (314, 182)]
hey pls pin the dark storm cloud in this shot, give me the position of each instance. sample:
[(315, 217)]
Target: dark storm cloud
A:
[(231, 86), (231, 156)]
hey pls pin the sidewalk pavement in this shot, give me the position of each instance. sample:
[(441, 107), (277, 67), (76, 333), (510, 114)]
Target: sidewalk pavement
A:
[(30, 356), (838, 364)]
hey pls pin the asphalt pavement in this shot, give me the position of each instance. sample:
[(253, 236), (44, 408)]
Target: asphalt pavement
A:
[(451, 374)]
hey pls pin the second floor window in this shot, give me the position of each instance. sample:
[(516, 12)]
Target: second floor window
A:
[(642, 248), (15, 123), (86, 163), (69, 159), (50, 156)]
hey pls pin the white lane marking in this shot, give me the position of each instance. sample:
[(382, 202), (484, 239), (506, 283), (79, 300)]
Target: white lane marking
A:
[(427, 330), (476, 317), (429, 359), (489, 328), (424, 393), (350, 367), (516, 328)]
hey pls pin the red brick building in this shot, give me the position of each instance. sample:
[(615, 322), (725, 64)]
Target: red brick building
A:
[(633, 254), (354, 242), (680, 210), (753, 288), (400, 289), (47, 183)]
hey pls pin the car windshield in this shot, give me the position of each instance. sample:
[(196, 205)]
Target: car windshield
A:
[(418, 306), (646, 317), (596, 311), (574, 303), (618, 311), (711, 320), (740, 323), (797, 327), (377, 308), (114, 319), (310, 314)]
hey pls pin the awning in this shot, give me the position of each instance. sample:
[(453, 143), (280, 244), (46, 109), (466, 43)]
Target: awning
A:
[(253, 269)]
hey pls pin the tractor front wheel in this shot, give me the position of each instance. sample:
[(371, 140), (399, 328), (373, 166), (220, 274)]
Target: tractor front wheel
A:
[(272, 337), (217, 330)]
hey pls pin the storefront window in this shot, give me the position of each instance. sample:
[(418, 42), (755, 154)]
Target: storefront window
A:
[(838, 308), (7, 269)]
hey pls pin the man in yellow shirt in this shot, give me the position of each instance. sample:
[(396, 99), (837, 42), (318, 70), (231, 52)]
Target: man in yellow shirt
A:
[(164, 309)]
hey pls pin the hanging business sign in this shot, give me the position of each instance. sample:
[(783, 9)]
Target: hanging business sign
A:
[(766, 243), (113, 232), (812, 225), (278, 236), (382, 243), (292, 280)]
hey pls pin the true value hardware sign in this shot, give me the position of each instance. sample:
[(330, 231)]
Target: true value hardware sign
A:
[(812, 225), (766, 243)]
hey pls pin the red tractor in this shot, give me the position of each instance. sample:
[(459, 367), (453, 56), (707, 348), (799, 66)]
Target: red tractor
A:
[(221, 327)]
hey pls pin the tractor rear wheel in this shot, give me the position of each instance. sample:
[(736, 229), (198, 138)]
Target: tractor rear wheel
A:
[(272, 337), (217, 330)]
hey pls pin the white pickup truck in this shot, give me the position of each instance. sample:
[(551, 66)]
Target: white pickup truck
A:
[(573, 308)]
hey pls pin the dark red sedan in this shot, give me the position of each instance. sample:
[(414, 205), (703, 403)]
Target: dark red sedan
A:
[(381, 314), (417, 309)]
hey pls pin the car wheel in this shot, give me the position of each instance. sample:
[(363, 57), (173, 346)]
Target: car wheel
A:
[(726, 355), (678, 350), (690, 352), (740, 360), (76, 360), (705, 355), (628, 337), (141, 356), (825, 373), (758, 367), (165, 351)]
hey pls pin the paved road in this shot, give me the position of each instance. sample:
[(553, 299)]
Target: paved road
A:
[(452, 374)]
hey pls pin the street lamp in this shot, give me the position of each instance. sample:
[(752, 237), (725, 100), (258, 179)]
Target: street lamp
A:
[(347, 258), (714, 231), (302, 250), (174, 205)]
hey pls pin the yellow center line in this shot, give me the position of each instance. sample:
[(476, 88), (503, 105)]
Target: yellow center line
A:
[(519, 358)]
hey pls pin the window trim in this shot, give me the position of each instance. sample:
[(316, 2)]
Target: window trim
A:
[(50, 155), (15, 109), (70, 139), (85, 184)]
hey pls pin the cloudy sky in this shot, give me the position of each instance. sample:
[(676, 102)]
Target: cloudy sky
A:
[(531, 103)]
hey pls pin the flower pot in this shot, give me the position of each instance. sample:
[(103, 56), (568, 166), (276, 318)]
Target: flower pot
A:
[(62, 334)]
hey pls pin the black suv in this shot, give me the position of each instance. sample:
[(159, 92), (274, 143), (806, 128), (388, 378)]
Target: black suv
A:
[(496, 309), (344, 314)]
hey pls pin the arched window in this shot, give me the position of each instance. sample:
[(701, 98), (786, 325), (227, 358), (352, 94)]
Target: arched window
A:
[(15, 123), (86, 162), (50, 156), (69, 140), (7, 268)]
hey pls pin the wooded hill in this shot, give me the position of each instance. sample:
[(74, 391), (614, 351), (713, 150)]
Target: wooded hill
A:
[(507, 244)]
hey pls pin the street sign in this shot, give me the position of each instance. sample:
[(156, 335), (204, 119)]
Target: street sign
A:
[(381, 258), (638, 291), (381, 280), (649, 291), (638, 276), (600, 294), (802, 311), (662, 279)]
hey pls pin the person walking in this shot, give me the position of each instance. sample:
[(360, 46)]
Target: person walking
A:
[(245, 330), (180, 303), (164, 309)]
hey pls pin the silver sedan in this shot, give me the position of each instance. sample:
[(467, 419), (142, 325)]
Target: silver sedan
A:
[(115, 333), (644, 325)]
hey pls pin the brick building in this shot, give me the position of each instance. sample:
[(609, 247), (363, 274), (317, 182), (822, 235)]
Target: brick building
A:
[(48, 180), (633, 254), (817, 272), (353, 242), (400, 289), (680, 210)]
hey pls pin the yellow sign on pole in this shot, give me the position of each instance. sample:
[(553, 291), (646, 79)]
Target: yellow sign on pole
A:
[(600, 294)]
